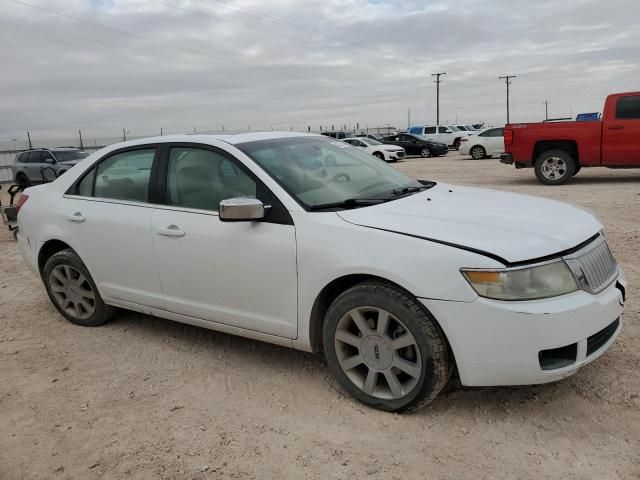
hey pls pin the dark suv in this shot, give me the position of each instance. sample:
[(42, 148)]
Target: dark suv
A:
[(34, 166)]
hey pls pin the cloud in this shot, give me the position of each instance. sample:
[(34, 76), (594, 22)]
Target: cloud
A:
[(146, 64)]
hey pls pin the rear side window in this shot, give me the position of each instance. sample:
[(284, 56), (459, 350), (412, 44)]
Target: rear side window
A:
[(23, 157), (123, 176), (431, 130), (628, 108)]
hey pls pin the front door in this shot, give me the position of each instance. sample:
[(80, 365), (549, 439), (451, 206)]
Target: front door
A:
[(621, 134), (241, 274)]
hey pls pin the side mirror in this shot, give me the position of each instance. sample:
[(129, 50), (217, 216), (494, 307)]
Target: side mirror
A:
[(241, 209), (49, 160)]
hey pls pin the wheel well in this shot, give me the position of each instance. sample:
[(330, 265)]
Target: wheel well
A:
[(377, 153), (329, 293), (51, 247), (569, 146)]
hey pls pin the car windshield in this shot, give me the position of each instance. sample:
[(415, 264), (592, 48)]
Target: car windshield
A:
[(324, 173), (455, 129), (371, 141), (70, 155)]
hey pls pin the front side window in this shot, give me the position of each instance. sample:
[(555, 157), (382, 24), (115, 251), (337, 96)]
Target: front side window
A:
[(371, 141), (443, 130), (317, 171), (628, 108), (124, 176), (35, 157), (201, 179), (430, 130), (47, 156)]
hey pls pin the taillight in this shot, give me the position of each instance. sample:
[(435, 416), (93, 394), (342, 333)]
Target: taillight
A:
[(508, 137), (21, 201)]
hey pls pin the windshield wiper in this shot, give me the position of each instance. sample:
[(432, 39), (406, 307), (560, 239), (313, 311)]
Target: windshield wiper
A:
[(349, 203)]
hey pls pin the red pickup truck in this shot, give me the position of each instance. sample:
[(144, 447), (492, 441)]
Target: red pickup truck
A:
[(558, 150)]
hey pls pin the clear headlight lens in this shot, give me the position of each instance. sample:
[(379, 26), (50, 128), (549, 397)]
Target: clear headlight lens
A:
[(528, 283)]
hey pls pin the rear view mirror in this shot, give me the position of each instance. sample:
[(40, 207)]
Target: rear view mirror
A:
[(241, 209)]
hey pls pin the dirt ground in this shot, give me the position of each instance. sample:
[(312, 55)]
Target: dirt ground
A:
[(145, 398)]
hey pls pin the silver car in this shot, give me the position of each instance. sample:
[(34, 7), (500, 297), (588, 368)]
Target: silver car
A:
[(44, 164)]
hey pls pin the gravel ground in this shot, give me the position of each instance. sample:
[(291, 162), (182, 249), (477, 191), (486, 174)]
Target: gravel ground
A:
[(145, 398)]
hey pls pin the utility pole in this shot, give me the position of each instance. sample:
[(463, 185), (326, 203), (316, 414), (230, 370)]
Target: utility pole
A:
[(546, 109), (80, 135), (507, 80), (437, 82), (160, 131), (124, 134), (408, 118), (29, 138)]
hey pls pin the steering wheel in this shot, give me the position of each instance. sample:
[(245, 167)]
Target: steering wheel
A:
[(338, 176)]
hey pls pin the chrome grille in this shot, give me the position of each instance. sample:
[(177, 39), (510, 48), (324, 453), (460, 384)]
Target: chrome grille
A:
[(594, 266)]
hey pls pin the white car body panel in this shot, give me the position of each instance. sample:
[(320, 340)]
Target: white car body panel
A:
[(262, 280), (492, 145), (511, 226), (390, 152)]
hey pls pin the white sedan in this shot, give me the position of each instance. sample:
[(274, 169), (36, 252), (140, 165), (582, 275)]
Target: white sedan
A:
[(304, 241), (483, 144), (388, 153)]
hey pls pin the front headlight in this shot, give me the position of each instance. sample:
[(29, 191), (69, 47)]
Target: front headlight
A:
[(523, 283)]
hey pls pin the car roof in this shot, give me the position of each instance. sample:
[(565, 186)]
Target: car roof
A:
[(53, 149), (232, 139)]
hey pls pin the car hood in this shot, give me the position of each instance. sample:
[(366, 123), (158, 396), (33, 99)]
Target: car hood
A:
[(71, 162), (510, 226), (390, 148)]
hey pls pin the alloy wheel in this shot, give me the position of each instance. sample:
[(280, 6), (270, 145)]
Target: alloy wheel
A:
[(72, 292), (554, 168), (378, 353)]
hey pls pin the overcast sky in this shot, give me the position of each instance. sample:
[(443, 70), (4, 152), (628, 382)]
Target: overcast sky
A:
[(103, 65)]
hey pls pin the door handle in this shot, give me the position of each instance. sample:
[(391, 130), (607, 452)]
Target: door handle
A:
[(616, 127), (76, 218), (171, 231)]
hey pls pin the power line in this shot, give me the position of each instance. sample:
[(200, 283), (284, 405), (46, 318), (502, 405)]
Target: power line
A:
[(437, 82), (507, 80), (193, 51)]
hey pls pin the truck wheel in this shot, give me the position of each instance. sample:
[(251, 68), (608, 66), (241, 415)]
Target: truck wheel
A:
[(555, 167), (385, 349)]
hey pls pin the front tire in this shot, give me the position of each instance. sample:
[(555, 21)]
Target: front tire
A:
[(555, 167), (379, 155), (73, 291), (385, 349), (425, 152), (478, 152)]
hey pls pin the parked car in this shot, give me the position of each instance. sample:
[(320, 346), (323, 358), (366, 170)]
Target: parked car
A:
[(448, 135), (558, 150), (338, 134), (30, 166), (373, 136), (388, 153), (417, 145), (399, 282), (483, 144)]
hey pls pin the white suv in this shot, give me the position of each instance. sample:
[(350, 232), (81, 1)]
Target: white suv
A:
[(450, 135), (305, 241)]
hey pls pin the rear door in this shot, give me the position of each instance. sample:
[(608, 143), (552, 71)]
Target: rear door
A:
[(33, 166), (495, 141), (621, 133), (107, 215)]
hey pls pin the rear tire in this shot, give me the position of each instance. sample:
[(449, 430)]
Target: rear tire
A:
[(72, 290), (385, 349), (478, 152), (555, 167)]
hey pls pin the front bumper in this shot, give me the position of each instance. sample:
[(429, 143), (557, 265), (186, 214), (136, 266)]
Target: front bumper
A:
[(506, 158), (500, 343), (396, 155)]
